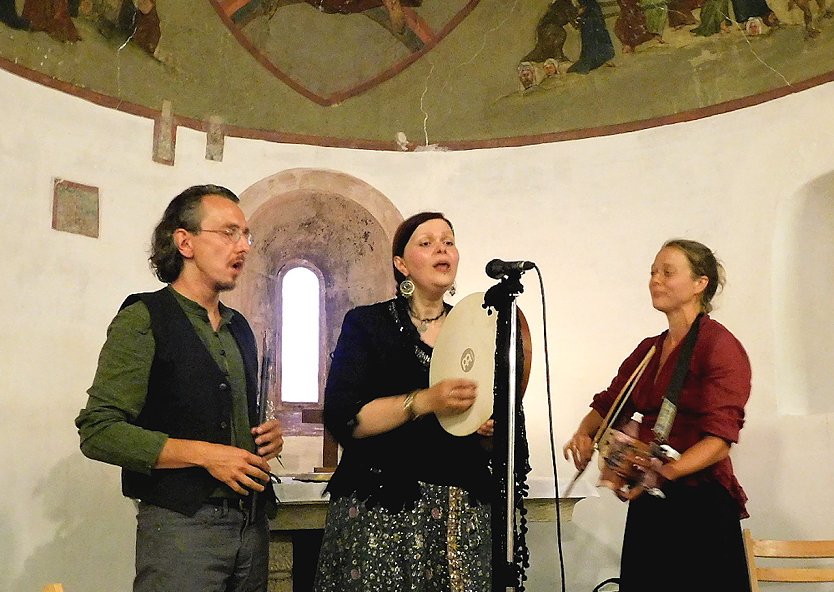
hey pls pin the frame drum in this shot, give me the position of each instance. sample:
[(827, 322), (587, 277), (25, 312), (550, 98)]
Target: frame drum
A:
[(465, 348)]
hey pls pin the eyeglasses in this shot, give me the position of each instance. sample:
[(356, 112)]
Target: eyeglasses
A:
[(234, 234)]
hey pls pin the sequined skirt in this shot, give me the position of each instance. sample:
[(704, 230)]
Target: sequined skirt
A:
[(443, 544)]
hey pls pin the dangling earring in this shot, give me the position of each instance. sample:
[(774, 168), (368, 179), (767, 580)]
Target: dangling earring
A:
[(453, 289), (407, 288)]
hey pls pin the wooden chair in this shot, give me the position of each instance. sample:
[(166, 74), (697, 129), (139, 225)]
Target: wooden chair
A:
[(786, 550)]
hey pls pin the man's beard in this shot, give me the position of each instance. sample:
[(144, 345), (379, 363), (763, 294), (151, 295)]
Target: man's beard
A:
[(225, 286)]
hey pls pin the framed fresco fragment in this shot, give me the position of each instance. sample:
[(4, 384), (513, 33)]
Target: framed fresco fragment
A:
[(214, 139), (165, 135), (75, 208)]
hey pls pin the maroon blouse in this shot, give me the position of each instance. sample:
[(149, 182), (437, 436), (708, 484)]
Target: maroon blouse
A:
[(711, 402)]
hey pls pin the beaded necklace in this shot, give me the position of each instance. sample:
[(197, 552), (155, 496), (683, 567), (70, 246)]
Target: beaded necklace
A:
[(424, 323)]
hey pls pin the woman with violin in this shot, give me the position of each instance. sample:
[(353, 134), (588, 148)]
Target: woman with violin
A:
[(408, 502), (686, 536)]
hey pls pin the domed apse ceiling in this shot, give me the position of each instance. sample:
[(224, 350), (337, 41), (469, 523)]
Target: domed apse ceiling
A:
[(421, 74)]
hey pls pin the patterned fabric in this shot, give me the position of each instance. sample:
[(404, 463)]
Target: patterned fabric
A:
[(443, 544)]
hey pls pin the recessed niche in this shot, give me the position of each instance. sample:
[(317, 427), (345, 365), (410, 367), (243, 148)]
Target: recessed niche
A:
[(803, 282)]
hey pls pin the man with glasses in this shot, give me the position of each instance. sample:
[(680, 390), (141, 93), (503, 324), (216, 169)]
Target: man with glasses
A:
[(174, 403)]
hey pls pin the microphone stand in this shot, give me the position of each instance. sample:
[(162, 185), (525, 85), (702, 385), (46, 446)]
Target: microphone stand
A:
[(507, 573)]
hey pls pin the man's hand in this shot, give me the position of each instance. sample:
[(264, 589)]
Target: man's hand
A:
[(269, 439), (239, 469)]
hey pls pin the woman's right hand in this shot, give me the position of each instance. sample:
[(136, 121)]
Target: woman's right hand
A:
[(580, 449), (581, 446), (447, 397)]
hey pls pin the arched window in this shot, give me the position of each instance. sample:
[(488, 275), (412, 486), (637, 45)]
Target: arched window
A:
[(300, 336), (337, 227)]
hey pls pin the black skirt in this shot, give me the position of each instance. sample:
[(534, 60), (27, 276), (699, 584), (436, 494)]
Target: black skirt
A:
[(690, 541)]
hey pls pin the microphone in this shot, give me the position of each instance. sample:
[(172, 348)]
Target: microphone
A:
[(496, 269)]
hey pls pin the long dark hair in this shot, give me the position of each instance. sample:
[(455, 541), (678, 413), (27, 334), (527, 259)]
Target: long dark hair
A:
[(404, 232), (183, 212)]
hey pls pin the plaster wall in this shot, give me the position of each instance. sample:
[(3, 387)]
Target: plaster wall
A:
[(591, 213)]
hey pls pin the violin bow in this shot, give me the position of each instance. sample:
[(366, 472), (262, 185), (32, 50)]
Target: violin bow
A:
[(614, 412)]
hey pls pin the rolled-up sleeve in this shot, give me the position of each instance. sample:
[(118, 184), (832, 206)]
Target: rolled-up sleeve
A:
[(726, 388), (106, 425), (349, 382)]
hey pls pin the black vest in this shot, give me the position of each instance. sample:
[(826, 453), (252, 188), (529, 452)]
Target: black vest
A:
[(189, 398)]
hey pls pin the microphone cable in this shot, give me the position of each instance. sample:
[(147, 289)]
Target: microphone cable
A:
[(551, 430)]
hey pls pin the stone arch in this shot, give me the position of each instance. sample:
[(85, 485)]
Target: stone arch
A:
[(336, 224)]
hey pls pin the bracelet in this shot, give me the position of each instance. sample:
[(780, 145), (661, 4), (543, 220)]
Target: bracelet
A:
[(408, 405)]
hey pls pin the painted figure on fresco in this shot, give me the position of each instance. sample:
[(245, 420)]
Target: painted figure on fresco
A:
[(597, 48), (754, 26), (550, 67), (639, 21), (715, 15), (9, 16), (551, 34), (714, 18), (527, 75), (743, 10), (680, 12), (531, 74), (630, 27), (394, 8), (656, 12), (122, 19), (52, 17), (136, 20), (805, 7)]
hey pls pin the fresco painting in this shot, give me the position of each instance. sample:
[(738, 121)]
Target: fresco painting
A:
[(371, 42), (137, 20), (639, 22), (411, 74)]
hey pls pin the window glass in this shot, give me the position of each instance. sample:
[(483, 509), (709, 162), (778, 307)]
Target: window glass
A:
[(300, 291)]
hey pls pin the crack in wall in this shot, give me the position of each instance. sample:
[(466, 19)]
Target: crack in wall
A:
[(422, 106), (455, 69), (133, 27), (744, 34)]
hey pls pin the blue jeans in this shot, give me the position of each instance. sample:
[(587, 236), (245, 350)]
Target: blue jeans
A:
[(216, 550)]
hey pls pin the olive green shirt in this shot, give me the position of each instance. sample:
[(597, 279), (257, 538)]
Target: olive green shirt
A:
[(120, 387)]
